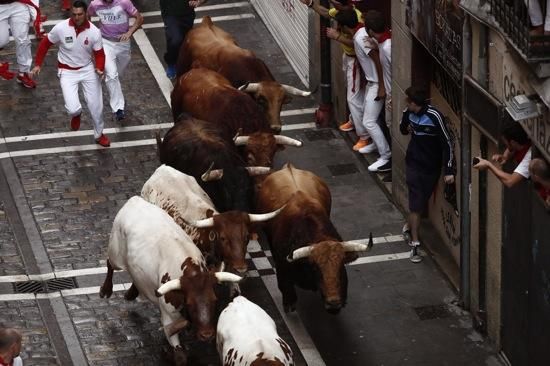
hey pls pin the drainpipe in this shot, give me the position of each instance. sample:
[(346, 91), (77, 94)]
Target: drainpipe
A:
[(465, 173), (323, 115)]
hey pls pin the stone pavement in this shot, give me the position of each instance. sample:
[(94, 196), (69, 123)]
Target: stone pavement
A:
[(57, 208)]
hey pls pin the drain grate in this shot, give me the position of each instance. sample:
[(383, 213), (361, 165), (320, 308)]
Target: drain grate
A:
[(342, 169), (319, 135), (36, 287), (58, 284), (432, 312), (28, 287)]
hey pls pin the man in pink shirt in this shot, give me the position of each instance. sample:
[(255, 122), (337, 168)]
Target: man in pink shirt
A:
[(114, 16)]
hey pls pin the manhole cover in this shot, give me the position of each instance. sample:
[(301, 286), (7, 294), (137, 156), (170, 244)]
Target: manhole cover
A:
[(57, 284), (319, 135), (28, 287), (432, 312), (342, 169)]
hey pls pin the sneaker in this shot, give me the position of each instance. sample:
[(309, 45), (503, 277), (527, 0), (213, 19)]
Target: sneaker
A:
[(75, 123), (346, 127), (360, 144), (103, 141), (380, 165), (171, 72), (5, 72), (369, 149), (26, 81), (415, 255), (120, 114), (406, 231)]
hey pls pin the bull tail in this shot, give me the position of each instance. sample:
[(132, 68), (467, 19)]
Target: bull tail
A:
[(206, 20), (159, 143)]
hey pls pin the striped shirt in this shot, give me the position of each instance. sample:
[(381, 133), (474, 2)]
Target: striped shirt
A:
[(431, 144)]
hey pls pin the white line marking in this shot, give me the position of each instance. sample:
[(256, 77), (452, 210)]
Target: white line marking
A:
[(295, 112), (294, 324), (381, 258), (253, 246)]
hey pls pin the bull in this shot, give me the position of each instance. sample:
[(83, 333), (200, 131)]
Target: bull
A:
[(306, 247), (247, 335), (175, 277), (209, 46), (221, 236)]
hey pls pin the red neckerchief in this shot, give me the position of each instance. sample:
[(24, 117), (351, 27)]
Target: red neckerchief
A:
[(37, 22), (520, 154), (3, 363), (358, 27), (80, 29), (385, 36)]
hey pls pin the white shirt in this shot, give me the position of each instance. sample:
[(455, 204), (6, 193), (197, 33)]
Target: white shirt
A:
[(362, 51), (75, 51), (523, 167), (384, 49)]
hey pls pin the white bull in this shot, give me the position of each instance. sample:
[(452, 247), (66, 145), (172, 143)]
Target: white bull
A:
[(246, 335)]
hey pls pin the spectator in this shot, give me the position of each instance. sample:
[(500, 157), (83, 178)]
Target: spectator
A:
[(518, 147), (377, 30), (374, 92), (16, 16), (114, 16), (178, 17), (430, 147), (354, 89), (78, 39), (10, 347), (539, 25), (540, 175)]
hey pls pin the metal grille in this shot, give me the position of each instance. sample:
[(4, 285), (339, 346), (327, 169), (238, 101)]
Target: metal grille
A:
[(432, 312), (451, 91), (342, 169), (319, 135), (35, 287), (28, 287)]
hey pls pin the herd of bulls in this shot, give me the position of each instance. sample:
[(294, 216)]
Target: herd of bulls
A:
[(189, 229)]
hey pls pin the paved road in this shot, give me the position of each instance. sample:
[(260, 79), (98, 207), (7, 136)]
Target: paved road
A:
[(59, 194)]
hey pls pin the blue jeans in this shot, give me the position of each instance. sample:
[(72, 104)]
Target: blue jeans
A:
[(175, 29)]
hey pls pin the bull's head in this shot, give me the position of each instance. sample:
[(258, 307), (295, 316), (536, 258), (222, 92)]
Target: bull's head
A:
[(217, 174), (260, 147), (194, 290), (231, 232), (271, 96), (329, 257)]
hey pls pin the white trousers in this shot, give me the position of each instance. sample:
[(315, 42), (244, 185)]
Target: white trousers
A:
[(16, 16), (535, 13), (117, 57), (91, 88), (355, 95), (372, 109)]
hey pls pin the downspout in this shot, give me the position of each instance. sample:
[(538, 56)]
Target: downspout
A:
[(323, 115), (465, 174)]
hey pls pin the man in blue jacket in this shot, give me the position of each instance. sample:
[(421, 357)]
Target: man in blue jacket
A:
[(430, 148)]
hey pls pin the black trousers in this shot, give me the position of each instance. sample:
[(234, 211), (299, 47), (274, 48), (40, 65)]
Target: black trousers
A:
[(175, 29)]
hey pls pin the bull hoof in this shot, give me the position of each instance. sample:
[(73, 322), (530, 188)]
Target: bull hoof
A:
[(180, 357), (132, 293), (105, 291)]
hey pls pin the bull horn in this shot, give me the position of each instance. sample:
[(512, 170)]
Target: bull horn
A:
[(285, 140), (265, 216), (210, 174), (295, 91), (356, 247), (177, 326), (241, 140), (300, 253), (249, 87), (204, 223), (227, 277), (167, 287), (257, 170)]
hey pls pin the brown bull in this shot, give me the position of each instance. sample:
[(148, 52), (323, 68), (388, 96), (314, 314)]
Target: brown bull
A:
[(209, 46), (307, 249)]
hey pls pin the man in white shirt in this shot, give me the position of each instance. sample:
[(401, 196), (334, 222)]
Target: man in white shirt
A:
[(79, 41), (518, 148), (114, 16), (374, 91)]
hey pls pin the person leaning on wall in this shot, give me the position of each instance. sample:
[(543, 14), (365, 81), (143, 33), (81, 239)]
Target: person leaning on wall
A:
[(540, 175)]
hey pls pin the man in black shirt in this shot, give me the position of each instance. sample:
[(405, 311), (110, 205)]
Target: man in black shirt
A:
[(429, 149), (178, 17)]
